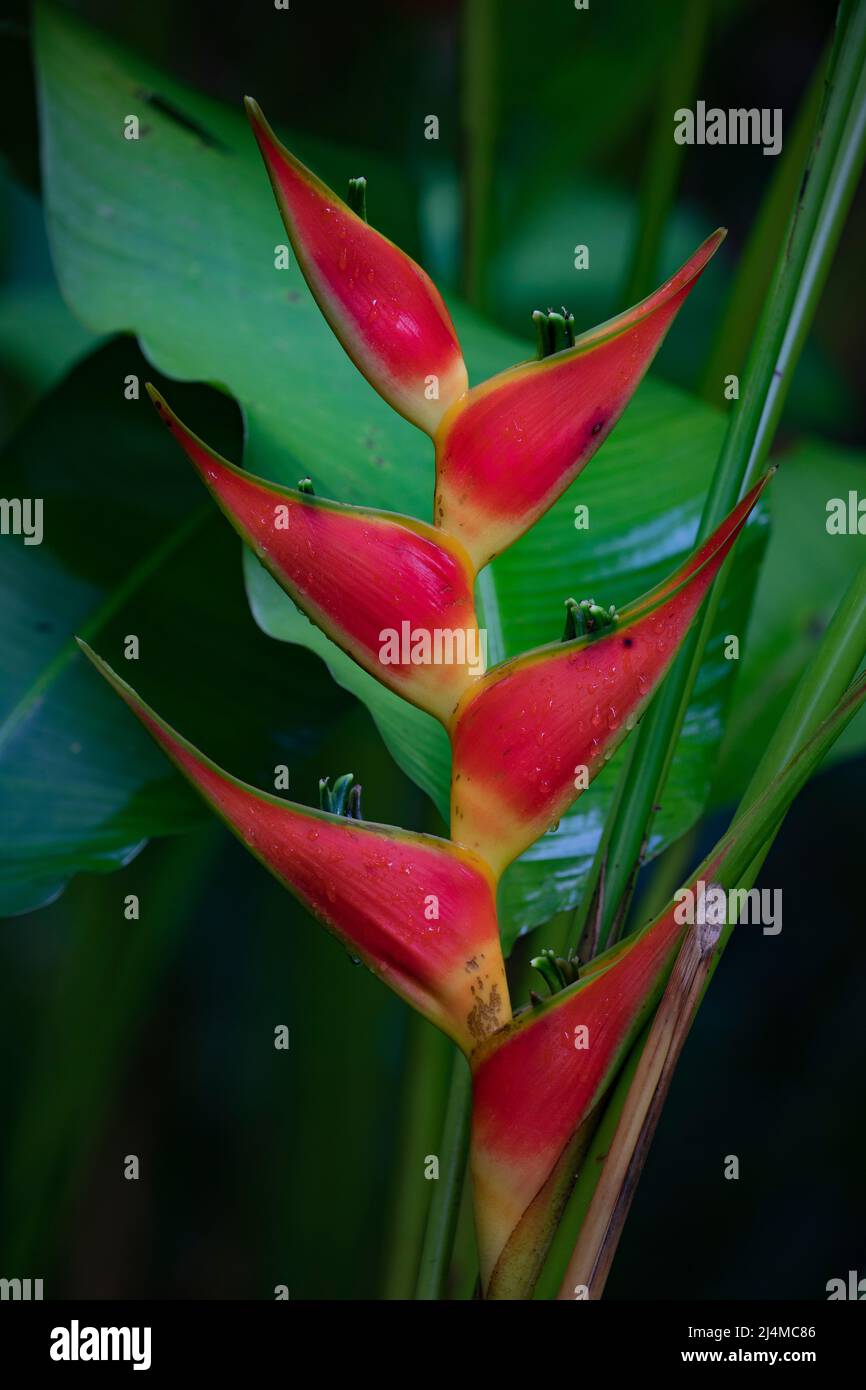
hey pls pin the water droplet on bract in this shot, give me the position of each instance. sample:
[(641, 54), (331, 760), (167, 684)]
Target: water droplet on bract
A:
[(643, 683)]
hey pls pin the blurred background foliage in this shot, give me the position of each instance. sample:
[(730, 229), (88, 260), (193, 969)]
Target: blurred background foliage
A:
[(156, 1037)]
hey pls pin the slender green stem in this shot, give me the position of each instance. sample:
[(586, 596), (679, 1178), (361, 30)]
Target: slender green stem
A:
[(829, 179), (755, 270), (671, 867), (150, 565), (445, 1201), (478, 101), (465, 1276), (664, 162), (550, 1279), (839, 657), (425, 1081)]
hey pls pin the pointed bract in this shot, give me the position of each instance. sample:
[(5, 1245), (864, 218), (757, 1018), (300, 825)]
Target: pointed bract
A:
[(392, 592), (419, 911), (383, 308), (513, 444), (529, 736), (535, 1089)]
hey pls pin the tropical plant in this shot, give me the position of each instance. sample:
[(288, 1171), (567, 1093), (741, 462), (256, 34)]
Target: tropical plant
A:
[(445, 631), (527, 736)]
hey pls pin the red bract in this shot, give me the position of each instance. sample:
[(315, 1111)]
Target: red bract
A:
[(510, 448), (384, 309), (387, 589), (534, 1091), (529, 736), (419, 911)]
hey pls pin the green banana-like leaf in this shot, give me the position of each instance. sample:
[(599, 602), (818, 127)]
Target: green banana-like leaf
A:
[(128, 550)]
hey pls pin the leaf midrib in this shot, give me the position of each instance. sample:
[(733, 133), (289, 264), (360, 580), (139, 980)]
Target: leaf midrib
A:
[(134, 581)]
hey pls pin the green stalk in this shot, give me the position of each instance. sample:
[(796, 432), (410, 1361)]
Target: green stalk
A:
[(664, 163), (839, 657), (424, 1083), (836, 662), (551, 1277), (445, 1201), (671, 867), (150, 565), (828, 184), (822, 686), (464, 1278), (755, 270), (478, 96)]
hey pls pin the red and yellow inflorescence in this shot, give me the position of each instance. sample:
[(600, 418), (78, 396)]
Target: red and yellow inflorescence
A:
[(418, 910)]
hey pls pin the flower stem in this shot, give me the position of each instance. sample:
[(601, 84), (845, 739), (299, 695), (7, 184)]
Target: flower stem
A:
[(478, 95), (445, 1201), (425, 1082), (828, 183), (754, 272), (836, 662)]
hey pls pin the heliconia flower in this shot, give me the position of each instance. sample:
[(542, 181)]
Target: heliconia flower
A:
[(531, 735), (383, 308), (538, 1083), (391, 591), (419, 911), (509, 448)]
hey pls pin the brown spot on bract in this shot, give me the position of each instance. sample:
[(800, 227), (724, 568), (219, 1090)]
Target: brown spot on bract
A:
[(484, 1016)]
